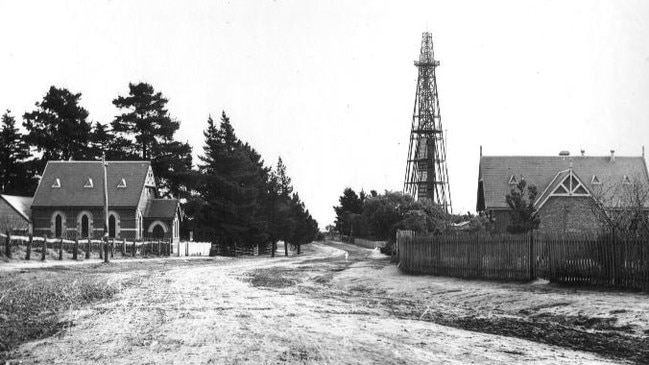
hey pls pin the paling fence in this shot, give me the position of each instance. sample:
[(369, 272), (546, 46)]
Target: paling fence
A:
[(222, 249), (605, 260), (42, 247)]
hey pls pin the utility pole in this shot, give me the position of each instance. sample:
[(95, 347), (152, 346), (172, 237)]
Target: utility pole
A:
[(105, 240), (426, 171)]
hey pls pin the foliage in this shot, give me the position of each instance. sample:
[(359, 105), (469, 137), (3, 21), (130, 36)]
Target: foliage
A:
[(522, 212), (15, 177), (381, 215), (230, 184), (146, 130), (239, 200), (58, 128), (622, 208), (348, 212)]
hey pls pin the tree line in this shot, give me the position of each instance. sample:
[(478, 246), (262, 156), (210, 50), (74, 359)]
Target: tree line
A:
[(231, 196), (378, 216)]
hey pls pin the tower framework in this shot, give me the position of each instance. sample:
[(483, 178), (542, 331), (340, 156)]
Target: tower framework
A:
[(426, 170)]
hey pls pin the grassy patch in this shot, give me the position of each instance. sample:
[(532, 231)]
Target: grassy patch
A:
[(272, 278), (31, 303)]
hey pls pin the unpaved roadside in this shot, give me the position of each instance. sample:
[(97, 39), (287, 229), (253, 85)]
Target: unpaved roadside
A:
[(330, 310)]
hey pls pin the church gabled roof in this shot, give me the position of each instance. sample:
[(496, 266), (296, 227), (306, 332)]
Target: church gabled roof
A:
[(541, 171), (81, 183), (161, 208)]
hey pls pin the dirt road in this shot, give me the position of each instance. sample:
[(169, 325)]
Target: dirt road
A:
[(324, 308)]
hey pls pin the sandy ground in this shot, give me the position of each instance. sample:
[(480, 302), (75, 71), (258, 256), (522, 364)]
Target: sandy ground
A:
[(331, 309)]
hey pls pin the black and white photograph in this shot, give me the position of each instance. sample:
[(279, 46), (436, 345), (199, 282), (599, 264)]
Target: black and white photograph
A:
[(324, 182)]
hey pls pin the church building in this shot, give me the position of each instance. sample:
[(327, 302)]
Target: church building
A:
[(69, 202)]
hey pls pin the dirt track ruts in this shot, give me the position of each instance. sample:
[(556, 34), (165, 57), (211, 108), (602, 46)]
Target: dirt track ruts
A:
[(332, 311)]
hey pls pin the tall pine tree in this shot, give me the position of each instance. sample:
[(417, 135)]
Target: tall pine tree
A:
[(58, 127), (146, 130), (231, 186), (15, 177)]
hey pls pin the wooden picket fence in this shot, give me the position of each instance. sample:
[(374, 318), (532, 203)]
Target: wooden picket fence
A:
[(604, 261), (220, 249), (81, 248)]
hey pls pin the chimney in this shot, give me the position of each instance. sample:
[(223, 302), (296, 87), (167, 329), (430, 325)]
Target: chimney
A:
[(564, 153), (612, 155), (583, 153)]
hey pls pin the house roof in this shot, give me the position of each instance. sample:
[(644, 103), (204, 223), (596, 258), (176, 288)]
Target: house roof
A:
[(81, 183), (495, 173), (21, 204), (161, 208)]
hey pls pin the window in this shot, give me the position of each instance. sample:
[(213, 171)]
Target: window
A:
[(57, 183), (58, 226), (89, 184), (112, 226), (122, 184), (85, 226)]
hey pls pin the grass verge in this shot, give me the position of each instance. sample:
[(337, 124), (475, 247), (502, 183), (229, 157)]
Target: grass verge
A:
[(32, 303)]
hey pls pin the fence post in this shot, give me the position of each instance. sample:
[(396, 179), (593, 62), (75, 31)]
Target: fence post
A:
[(101, 249), (75, 248), (8, 245), (112, 248), (531, 257), (614, 256), (61, 249), (123, 250), (28, 255), (44, 250), (187, 248), (106, 247), (88, 248)]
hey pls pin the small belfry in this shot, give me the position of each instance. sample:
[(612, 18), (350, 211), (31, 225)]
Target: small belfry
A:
[(426, 170)]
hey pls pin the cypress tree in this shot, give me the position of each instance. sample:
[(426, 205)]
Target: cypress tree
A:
[(15, 177)]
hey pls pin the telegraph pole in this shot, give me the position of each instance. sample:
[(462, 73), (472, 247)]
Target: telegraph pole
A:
[(103, 165)]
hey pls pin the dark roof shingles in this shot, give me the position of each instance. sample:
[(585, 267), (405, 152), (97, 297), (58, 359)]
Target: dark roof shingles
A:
[(495, 172), (161, 208), (74, 175)]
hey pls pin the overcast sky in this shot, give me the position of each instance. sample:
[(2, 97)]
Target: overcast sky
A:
[(329, 85)]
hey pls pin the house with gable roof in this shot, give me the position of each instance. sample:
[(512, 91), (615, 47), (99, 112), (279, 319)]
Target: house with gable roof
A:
[(69, 202), (566, 187)]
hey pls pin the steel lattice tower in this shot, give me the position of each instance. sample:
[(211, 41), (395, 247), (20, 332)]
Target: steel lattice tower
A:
[(426, 171)]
